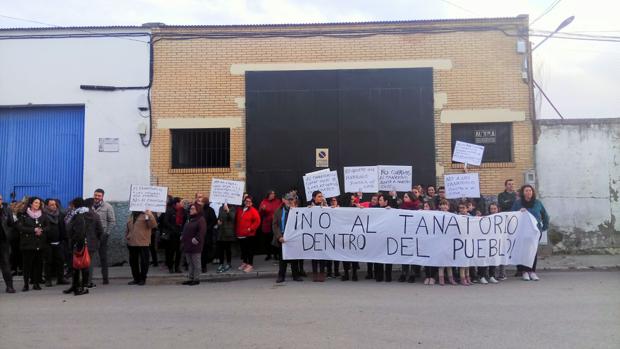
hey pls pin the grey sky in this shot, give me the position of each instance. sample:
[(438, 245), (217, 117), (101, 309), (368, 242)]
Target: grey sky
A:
[(581, 77)]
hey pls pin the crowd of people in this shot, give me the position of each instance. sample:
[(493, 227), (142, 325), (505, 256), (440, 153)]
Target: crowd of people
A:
[(42, 241)]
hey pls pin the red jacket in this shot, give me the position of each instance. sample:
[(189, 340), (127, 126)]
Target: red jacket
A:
[(266, 214), (248, 222)]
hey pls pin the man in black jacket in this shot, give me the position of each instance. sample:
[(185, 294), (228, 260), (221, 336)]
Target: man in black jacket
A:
[(6, 221)]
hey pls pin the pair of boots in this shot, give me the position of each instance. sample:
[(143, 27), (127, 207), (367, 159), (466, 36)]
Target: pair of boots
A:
[(78, 288), (345, 276)]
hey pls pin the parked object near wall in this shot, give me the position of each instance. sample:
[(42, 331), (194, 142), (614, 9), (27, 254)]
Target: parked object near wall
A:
[(578, 169)]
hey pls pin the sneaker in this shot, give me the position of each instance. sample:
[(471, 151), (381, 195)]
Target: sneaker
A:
[(483, 280), (226, 268), (220, 268), (242, 266), (502, 277), (534, 277), (493, 280), (248, 269), (525, 276)]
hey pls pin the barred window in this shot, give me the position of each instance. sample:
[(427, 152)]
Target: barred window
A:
[(495, 137), (200, 148)]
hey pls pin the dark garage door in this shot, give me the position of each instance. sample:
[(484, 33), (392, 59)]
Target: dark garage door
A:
[(364, 117)]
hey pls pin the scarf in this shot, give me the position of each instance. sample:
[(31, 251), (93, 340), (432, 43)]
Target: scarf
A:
[(527, 204), (69, 215), (410, 205), (52, 215), (34, 214)]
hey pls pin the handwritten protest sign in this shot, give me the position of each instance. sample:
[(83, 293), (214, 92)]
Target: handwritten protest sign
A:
[(468, 153), (317, 172), (147, 197), (226, 191), (466, 185), (363, 179), (326, 182), (410, 237), (397, 178)]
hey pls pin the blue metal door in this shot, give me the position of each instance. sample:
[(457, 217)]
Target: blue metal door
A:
[(42, 152)]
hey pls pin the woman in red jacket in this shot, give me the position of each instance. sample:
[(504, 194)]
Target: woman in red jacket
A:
[(248, 222), (267, 208)]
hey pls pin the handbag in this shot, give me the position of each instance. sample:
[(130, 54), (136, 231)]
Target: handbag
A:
[(81, 259)]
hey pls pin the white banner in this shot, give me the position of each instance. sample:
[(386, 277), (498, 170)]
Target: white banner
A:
[(326, 182), (363, 179), (226, 191), (465, 185), (397, 178), (395, 236), (147, 197), (468, 153)]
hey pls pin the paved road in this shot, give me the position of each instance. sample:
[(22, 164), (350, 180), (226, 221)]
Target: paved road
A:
[(565, 309)]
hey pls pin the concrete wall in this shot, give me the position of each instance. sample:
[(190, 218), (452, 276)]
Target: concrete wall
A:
[(578, 168)]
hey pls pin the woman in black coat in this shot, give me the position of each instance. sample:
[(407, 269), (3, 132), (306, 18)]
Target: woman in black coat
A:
[(81, 226), (32, 225)]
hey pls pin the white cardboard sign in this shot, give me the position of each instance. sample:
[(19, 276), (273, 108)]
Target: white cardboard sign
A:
[(147, 197), (326, 182), (363, 179), (397, 178), (468, 153), (226, 191), (465, 185)]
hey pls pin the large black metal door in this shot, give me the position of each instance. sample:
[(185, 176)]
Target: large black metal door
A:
[(364, 117)]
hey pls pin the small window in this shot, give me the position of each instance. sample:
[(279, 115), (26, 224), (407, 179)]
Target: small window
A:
[(200, 148), (495, 137)]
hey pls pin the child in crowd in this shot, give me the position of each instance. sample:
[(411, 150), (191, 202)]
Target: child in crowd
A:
[(487, 274), (464, 272), (429, 272), (444, 206)]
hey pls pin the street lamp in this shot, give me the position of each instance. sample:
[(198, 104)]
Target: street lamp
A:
[(564, 23)]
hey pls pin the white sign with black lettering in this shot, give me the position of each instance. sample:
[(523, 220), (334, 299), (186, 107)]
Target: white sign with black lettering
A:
[(147, 197), (226, 191), (468, 153), (363, 179), (395, 178), (326, 182), (466, 185)]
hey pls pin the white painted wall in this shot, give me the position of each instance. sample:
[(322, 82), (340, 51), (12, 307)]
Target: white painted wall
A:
[(578, 167), (50, 71)]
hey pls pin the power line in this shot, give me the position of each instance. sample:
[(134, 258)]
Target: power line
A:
[(459, 7), (554, 4)]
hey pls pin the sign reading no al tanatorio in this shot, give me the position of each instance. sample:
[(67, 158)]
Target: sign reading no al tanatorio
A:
[(428, 238)]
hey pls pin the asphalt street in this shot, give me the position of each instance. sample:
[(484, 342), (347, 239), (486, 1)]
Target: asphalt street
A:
[(579, 309)]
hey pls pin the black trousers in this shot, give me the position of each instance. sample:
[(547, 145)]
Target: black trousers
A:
[(282, 267), (16, 256), (347, 265), (224, 251), (247, 250), (153, 248), (266, 240), (173, 253), (318, 266), (139, 262), (379, 272), (80, 282), (103, 255), (336, 267), (5, 263), (487, 272), (207, 254), (415, 269), (54, 262), (33, 266), (369, 268)]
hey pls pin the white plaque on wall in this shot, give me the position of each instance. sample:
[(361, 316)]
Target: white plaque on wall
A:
[(109, 145)]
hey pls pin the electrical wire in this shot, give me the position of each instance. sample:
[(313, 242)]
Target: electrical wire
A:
[(545, 12)]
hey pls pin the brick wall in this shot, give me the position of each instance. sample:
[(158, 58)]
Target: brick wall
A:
[(192, 79)]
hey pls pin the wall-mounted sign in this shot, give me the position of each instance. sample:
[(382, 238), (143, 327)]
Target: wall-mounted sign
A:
[(322, 157), (109, 145), (485, 136)]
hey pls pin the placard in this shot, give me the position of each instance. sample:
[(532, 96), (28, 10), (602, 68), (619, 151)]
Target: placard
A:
[(395, 178), (465, 185), (468, 153), (394, 236), (326, 182), (363, 179), (226, 191), (147, 197)]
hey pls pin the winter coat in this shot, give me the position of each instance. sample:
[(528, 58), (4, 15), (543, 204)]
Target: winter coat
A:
[(85, 226), (227, 226), (138, 233), (267, 209), (277, 227), (248, 222), (168, 224), (6, 224), (56, 228), (28, 241), (94, 230), (107, 217), (196, 228), (505, 200)]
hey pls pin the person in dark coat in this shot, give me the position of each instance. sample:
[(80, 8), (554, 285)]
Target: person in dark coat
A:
[(6, 223), (32, 225), (211, 221), (226, 236), (192, 242), (278, 226), (170, 227), (56, 235), (94, 237), (380, 275), (508, 197), (82, 224)]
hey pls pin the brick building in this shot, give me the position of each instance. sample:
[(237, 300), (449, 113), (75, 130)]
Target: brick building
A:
[(213, 87)]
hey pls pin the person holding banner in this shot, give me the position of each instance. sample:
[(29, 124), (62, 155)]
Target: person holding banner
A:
[(410, 202), (249, 221), (352, 266), (333, 267), (379, 267), (192, 240), (487, 274), (527, 202), (278, 223), (464, 272), (318, 266), (444, 206), (374, 203)]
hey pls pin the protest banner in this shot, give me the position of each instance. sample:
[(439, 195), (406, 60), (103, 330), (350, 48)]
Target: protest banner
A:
[(397, 178), (430, 238), (363, 179), (326, 182), (226, 191), (465, 185), (147, 197), (468, 153)]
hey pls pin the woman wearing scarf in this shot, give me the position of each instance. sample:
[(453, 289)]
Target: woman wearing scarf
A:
[(54, 258), (32, 225), (528, 202), (192, 242), (78, 227)]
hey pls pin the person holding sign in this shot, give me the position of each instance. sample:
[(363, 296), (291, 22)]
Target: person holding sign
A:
[(528, 202), (249, 221), (278, 224), (318, 266), (140, 226), (192, 240)]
